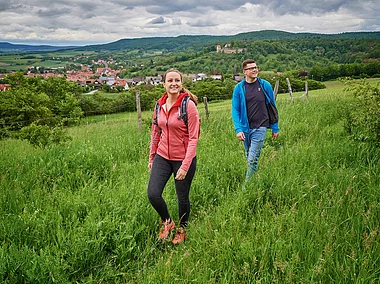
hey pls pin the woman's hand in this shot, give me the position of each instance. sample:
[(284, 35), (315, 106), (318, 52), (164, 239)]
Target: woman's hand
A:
[(181, 174), (150, 166)]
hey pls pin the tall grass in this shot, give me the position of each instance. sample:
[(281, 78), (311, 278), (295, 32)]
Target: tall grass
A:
[(79, 212)]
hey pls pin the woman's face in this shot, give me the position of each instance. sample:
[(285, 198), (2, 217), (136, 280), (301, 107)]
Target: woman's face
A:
[(173, 83)]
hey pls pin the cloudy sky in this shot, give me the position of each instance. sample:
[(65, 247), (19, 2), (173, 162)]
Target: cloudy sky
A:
[(82, 22)]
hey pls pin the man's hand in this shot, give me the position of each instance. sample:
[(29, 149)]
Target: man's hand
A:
[(240, 136), (274, 135)]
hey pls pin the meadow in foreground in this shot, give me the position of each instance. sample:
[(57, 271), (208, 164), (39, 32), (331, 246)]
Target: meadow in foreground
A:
[(78, 213)]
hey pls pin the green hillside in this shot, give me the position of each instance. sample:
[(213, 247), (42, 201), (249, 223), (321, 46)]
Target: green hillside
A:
[(195, 41)]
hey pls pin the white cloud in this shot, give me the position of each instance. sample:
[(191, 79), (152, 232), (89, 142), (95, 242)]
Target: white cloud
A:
[(176, 22), (202, 23)]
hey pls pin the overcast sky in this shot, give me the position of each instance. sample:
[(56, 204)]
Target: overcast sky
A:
[(82, 22)]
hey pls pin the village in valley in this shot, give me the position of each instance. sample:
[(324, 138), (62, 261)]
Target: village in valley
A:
[(96, 78)]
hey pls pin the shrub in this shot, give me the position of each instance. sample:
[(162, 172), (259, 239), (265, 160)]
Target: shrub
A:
[(43, 136), (362, 116)]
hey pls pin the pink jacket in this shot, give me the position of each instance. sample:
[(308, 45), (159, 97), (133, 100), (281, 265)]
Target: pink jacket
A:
[(175, 142)]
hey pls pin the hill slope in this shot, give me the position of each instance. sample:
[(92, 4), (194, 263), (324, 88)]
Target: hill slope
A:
[(184, 41), (194, 41), (10, 47)]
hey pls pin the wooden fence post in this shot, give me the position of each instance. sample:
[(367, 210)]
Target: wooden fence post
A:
[(138, 107), (206, 106), (276, 88), (290, 90), (306, 91)]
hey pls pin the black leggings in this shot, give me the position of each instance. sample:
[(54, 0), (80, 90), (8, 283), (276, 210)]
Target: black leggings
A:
[(161, 171)]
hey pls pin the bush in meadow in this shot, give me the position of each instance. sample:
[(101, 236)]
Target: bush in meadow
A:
[(362, 116)]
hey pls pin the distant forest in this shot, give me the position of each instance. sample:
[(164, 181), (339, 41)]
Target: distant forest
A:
[(186, 42)]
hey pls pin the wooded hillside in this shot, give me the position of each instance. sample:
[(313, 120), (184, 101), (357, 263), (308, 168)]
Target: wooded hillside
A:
[(196, 41)]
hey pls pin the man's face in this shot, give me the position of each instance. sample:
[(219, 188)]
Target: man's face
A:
[(251, 70)]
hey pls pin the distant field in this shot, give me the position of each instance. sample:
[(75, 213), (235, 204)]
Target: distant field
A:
[(16, 62)]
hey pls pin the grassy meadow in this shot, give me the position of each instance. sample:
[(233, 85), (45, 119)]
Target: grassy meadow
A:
[(21, 61), (79, 213)]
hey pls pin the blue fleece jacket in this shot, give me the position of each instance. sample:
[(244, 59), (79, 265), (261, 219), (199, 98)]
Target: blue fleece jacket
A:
[(239, 108)]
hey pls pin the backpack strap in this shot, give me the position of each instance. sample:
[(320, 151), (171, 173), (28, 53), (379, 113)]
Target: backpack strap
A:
[(183, 110), (181, 115), (156, 111)]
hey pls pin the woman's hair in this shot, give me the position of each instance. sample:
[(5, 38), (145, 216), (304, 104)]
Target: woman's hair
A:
[(193, 97)]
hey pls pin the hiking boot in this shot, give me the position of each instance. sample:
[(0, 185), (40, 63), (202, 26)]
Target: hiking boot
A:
[(166, 229), (180, 236)]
